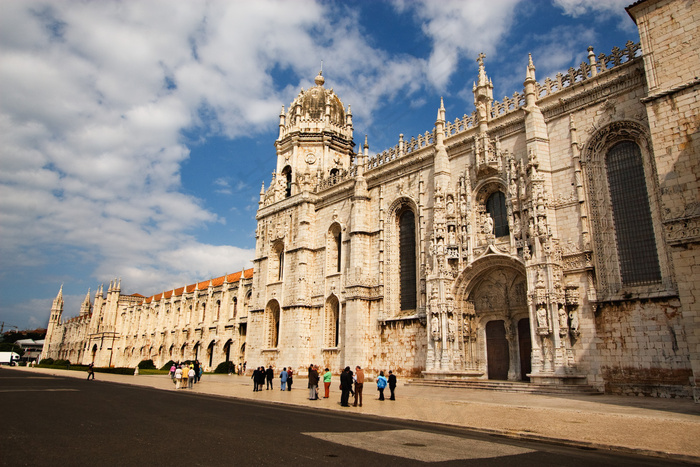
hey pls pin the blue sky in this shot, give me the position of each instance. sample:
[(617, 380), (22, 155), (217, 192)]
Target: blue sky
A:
[(136, 135)]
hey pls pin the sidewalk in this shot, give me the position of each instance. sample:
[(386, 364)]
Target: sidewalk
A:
[(648, 426)]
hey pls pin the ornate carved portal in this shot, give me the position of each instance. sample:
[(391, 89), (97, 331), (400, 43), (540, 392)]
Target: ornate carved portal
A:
[(495, 337)]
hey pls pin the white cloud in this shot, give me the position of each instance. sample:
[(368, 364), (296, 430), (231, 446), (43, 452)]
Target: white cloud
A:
[(596, 8), (460, 29), (96, 95)]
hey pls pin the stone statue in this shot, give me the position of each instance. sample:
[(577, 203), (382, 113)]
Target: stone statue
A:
[(563, 319), (435, 327), (541, 317), (488, 224)]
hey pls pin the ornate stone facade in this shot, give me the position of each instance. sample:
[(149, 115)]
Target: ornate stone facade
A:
[(550, 237)]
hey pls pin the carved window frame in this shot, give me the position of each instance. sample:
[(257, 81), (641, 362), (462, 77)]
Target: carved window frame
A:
[(607, 261), (332, 323), (334, 249), (272, 324), (393, 282)]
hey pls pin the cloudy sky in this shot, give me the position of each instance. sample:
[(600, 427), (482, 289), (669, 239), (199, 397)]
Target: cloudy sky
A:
[(136, 134)]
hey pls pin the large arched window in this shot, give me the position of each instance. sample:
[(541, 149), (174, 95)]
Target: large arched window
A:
[(624, 213), (634, 231), (496, 206), (407, 255)]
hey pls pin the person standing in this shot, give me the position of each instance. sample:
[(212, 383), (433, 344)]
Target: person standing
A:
[(359, 384), (178, 377), (345, 386), (270, 374), (290, 379), (91, 371), (196, 371), (254, 377), (314, 378), (185, 373), (283, 379), (191, 377), (381, 384), (173, 367), (392, 385), (327, 382)]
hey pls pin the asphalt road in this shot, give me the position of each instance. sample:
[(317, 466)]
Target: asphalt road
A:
[(56, 421)]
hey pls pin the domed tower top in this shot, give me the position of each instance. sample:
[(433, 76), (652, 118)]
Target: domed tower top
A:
[(315, 135), (318, 104)]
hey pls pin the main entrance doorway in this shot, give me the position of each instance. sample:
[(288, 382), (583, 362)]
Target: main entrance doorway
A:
[(497, 328), (497, 350)]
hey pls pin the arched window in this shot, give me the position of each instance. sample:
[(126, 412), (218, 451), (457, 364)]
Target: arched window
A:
[(218, 309), (334, 173), (276, 262), (246, 303), (287, 174), (634, 231), (332, 327), (624, 213), (273, 324), (407, 255), (204, 311), (281, 264), (333, 248), (235, 307), (496, 206)]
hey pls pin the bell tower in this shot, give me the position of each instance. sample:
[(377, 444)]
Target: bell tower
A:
[(315, 140)]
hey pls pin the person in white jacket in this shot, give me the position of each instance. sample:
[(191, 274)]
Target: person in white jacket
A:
[(178, 377)]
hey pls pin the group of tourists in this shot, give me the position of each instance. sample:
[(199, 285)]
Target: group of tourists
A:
[(350, 382), (186, 375), (260, 376)]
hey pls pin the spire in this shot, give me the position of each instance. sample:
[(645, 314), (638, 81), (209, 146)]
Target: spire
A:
[(483, 94), (441, 111), (442, 162), (530, 84), (85, 307)]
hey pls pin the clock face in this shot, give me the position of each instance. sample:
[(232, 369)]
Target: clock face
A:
[(310, 158)]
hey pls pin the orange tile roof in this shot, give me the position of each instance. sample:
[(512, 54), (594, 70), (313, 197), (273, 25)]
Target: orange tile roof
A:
[(230, 278)]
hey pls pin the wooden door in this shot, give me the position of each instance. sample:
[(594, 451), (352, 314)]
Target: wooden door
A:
[(497, 350), (525, 347)]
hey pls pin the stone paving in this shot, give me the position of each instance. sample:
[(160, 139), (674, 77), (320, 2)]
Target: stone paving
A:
[(658, 427)]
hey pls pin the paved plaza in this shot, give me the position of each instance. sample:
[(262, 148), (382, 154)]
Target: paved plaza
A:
[(649, 426)]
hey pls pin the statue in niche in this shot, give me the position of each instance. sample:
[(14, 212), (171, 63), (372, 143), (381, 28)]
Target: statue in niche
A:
[(488, 224), (435, 327), (573, 317), (516, 224), (451, 235), (466, 328), (450, 205), (541, 317), (563, 320), (451, 328)]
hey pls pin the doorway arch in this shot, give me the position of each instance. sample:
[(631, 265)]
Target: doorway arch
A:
[(492, 292)]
